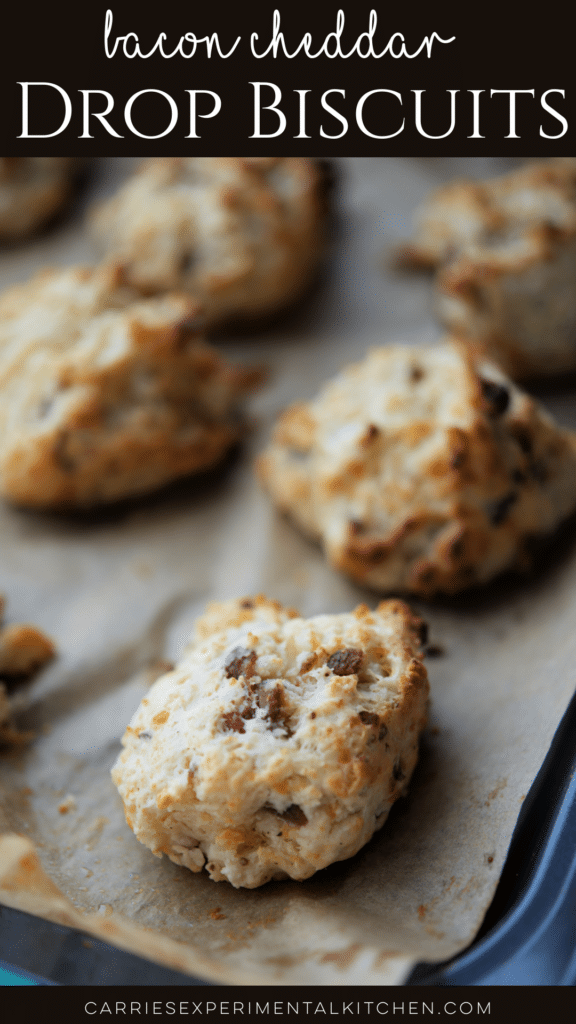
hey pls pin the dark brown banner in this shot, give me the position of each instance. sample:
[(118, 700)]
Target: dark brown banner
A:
[(336, 78), (298, 1004)]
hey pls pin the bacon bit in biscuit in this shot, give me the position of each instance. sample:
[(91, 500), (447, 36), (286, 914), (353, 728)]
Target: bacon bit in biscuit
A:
[(293, 815), (499, 510), (375, 551), (458, 458), (369, 718), (457, 547), (234, 720), (274, 701), (523, 436), (312, 661), (276, 704), (346, 662), (61, 455), (496, 397), (371, 434), (240, 662), (425, 573), (278, 713)]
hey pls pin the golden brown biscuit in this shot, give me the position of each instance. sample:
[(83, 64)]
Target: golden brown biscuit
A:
[(106, 394), (422, 470), (32, 190), (243, 236), (278, 744), (506, 250)]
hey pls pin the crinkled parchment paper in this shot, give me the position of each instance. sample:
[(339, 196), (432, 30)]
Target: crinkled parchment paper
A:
[(120, 590)]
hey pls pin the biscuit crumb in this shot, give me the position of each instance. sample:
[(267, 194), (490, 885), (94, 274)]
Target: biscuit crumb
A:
[(23, 650), (216, 914), (68, 804)]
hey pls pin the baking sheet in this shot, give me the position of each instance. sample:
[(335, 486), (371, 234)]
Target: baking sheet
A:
[(119, 592)]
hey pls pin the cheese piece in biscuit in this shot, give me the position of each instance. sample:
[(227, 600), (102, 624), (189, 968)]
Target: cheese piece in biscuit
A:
[(244, 236), (106, 394), (278, 744), (422, 470)]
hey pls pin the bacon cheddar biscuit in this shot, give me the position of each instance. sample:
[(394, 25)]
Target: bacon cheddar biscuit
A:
[(506, 253), (243, 236), (106, 394), (422, 470), (277, 745)]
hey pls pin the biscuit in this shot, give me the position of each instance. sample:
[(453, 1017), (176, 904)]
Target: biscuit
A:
[(422, 470), (278, 744), (106, 394), (23, 650), (32, 190), (507, 255), (244, 237)]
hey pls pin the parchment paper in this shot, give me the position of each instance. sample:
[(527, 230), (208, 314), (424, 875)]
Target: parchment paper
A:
[(120, 590)]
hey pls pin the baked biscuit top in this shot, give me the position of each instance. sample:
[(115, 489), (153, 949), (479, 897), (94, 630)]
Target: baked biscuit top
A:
[(499, 221), (421, 469), (106, 393), (243, 236), (278, 744)]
